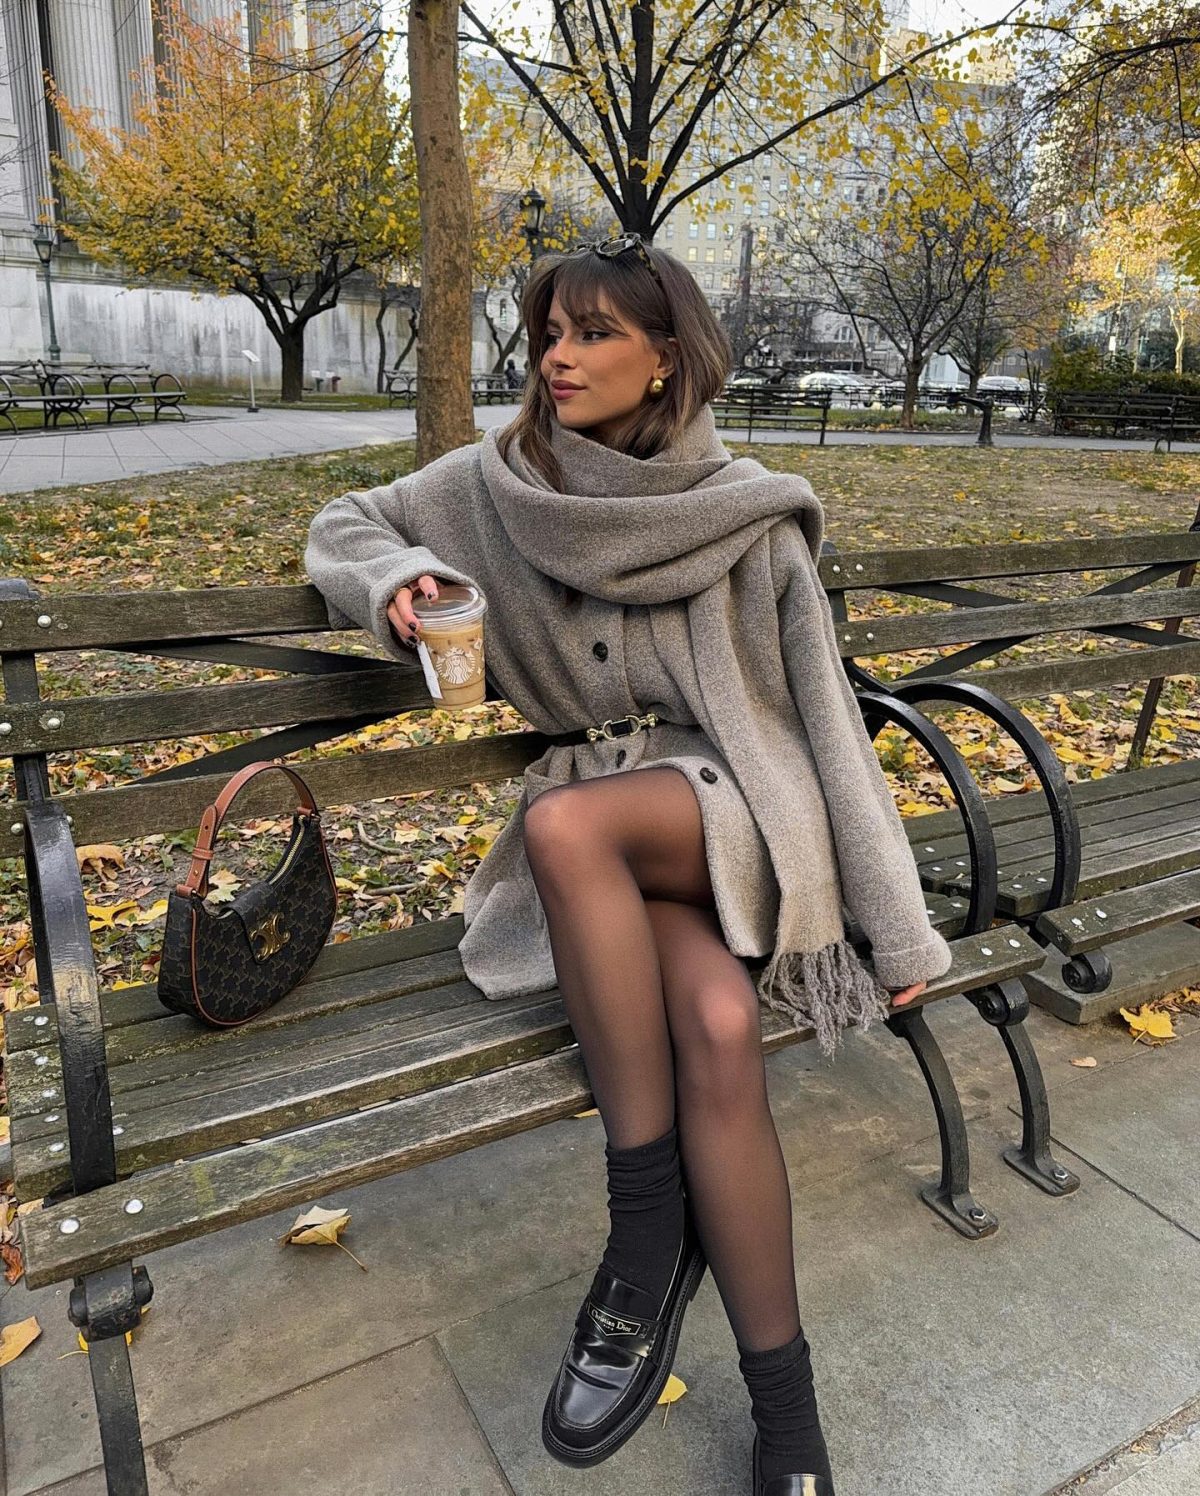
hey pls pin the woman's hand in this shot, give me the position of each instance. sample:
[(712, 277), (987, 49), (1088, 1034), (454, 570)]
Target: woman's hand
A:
[(400, 610), (906, 994)]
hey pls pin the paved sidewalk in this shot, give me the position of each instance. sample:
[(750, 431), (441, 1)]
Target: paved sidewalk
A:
[(215, 435), (1023, 1365)]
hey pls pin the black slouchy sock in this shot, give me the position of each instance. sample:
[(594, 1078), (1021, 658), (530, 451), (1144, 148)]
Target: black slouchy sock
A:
[(645, 1202), (784, 1409)]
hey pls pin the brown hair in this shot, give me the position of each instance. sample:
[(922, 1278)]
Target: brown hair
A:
[(676, 308)]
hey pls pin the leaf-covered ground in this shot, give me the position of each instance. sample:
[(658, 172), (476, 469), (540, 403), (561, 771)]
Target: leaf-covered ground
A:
[(408, 859)]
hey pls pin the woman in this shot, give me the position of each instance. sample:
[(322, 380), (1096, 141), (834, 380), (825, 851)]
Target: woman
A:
[(641, 580)]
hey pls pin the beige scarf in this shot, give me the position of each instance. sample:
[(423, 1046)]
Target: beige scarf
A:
[(726, 552)]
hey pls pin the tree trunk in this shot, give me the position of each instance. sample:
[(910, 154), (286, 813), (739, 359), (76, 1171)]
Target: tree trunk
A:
[(381, 366), (291, 351), (445, 415), (912, 380)]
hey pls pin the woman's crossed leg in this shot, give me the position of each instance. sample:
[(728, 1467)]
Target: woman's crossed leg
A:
[(667, 1019)]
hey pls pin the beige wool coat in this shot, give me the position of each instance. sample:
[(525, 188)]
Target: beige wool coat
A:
[(566, 660)]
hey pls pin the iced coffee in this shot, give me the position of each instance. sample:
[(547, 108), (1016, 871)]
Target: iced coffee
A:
[(451, 637)]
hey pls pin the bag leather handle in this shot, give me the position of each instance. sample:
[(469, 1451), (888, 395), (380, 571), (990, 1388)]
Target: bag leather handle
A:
[(210, 822)]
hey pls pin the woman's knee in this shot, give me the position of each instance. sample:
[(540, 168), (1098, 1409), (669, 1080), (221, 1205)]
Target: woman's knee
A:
[(717, 1038), (556, 826)]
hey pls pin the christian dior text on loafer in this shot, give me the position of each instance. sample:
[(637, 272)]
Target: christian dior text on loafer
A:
[(787, 1485), (619, 1359)]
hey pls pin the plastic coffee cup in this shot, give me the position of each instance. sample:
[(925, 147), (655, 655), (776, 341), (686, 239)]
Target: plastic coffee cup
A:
[(452, 633)]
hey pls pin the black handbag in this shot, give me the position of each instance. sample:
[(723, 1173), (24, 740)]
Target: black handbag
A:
[(225, 966)]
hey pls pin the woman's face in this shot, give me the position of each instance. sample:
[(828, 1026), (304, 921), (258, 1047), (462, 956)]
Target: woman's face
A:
[(599, 374)]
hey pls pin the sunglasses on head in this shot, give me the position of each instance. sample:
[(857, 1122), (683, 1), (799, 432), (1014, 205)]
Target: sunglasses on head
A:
[(609, 249)]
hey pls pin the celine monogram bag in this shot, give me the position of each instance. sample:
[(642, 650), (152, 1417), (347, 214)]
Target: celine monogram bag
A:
[(226, 966)]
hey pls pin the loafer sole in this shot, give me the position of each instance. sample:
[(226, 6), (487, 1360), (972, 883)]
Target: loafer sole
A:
[(639, 1409)]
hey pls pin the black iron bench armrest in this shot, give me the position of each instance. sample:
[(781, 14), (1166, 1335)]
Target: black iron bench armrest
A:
[(878, 709), (56, 890), (1045, 763)]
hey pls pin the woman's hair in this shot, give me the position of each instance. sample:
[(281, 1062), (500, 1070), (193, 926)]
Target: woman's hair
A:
[(676, 308)]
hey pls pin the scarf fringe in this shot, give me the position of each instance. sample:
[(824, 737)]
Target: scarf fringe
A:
[(825, 990)]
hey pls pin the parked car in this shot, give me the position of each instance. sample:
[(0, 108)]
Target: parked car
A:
[(1003, 384), (831, 379)]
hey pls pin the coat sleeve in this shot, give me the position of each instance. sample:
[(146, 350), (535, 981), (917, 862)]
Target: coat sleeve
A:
[(359, 556), (880, 882)]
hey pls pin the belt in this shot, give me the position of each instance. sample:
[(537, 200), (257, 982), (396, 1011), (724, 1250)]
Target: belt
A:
[(615, 727)]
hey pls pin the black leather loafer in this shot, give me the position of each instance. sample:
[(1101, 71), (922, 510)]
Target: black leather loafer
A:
[(788, 1485), (619, 1359)]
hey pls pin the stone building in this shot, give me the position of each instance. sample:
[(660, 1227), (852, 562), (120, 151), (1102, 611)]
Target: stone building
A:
[(101, 52)]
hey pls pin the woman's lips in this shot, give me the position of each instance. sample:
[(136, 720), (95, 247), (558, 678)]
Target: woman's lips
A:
[(564, 391)]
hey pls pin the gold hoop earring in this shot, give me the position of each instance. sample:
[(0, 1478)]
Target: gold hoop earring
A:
[(656, 388)]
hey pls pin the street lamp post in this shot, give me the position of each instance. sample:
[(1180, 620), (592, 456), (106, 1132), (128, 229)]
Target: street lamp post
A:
[(533, 205), (44, 244)]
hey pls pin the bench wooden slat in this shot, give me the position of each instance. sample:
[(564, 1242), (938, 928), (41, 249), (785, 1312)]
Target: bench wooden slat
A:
[(348, 779), (91, 620), (1012, 833), (1030, 843), (181, 1201), (140, 1004), (877, 636), (1018, 682), (207, 1067), (1024, 896), (1132, 911), (150, 716), (1031, 804), (960, 563), (180, 1034), (335, 1083)]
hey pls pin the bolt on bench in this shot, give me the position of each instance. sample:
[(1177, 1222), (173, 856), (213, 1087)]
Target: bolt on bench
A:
[(137, 1128), (1105, 872)]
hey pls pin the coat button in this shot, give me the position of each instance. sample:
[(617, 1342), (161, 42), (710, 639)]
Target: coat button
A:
[(600, 650), (620, 757), (708, 775)]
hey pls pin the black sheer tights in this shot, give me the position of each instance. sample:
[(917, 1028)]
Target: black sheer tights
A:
[(667, 1020)]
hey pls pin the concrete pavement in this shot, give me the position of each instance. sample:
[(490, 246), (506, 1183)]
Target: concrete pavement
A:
[(1056, 1355), (214, 435)]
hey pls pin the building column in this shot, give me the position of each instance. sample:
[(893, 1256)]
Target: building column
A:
[(83, 43), (134, 27)]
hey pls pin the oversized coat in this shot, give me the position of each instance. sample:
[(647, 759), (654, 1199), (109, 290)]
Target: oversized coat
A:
[(565, 661)]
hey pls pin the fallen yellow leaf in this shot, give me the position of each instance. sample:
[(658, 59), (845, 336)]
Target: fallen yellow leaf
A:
[(671, 1393), (16, 1338), (105, 916), (98, 854), (319, 1228), (1150, 1023)]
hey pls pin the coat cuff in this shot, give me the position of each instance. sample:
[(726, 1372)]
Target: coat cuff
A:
[(915, 963), (414, 563)]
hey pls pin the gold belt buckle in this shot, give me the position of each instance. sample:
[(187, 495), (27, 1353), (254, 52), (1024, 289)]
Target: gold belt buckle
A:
[(604, 730)]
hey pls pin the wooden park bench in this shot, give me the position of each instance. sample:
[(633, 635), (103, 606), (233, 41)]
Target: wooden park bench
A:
[(131, 389), (52, 394), (400, 385), (773, 408), (1104, 872), (136, 1128), (1162, 417)]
